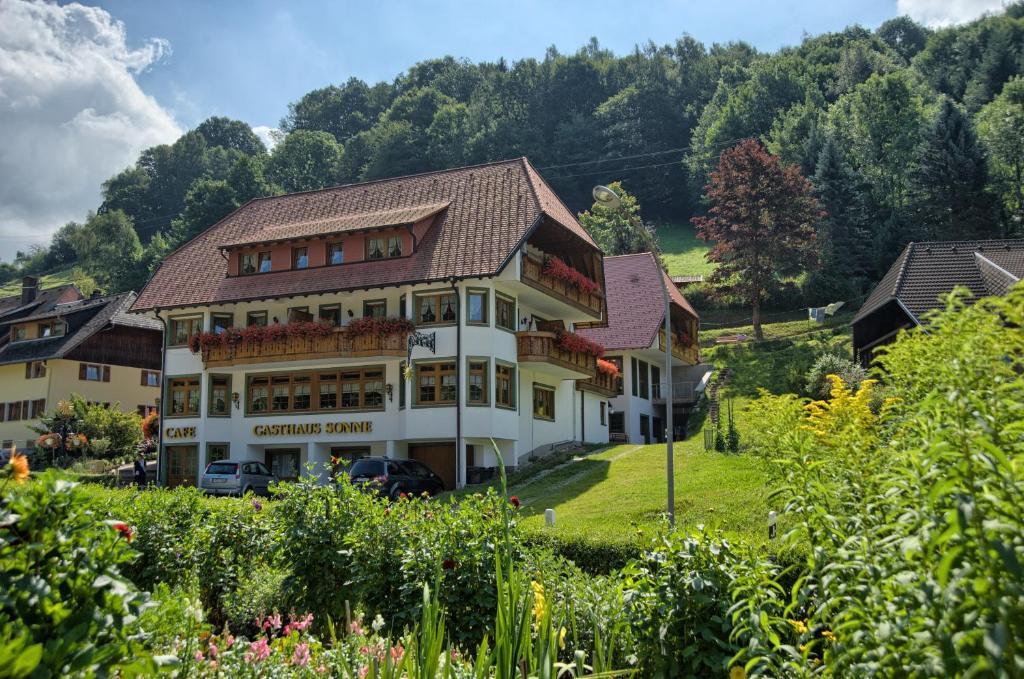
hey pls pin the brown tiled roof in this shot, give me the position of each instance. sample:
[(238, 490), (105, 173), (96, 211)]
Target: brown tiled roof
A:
[(926, 271), (491, 209), (636, 303), (12, 306), (267, 225)]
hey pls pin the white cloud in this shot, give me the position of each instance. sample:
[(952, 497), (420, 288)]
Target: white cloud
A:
[(268, 135), (937, 13), (71, 112)]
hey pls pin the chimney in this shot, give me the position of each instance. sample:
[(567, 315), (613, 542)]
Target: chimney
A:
[(96, 294), (29, 289)]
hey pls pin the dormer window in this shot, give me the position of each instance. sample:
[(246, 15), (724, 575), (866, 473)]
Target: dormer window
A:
[(264, 262), (300, 258), (335, 254), (51, 329), (18, 333), (248, 264), (395, 246), (375, 248)]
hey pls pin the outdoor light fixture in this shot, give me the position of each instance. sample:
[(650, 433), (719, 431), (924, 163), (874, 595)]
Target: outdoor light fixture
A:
[(235, 398)]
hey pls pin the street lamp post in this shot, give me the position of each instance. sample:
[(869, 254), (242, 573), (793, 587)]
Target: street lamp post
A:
[(606, 196)]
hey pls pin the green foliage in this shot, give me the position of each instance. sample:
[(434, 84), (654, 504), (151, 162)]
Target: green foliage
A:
[(619, 230), (1001, 127), (852, 374), (111, 432), (305, 160), (108, 249), (66, 610)]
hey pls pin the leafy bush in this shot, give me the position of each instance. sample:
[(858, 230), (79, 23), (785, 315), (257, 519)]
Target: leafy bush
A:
[(66, 608), (257, 594), (590, 555), (818, 386), (111, 432)]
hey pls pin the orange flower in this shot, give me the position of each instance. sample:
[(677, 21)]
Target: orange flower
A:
[(124, 529), (19, 467)]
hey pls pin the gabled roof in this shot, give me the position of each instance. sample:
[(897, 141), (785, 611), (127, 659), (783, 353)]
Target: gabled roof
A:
[(636, 303), (11, 307), (490, 210), (85, 318), (926, 271)]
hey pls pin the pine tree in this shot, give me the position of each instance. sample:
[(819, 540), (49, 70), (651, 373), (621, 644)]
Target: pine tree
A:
[(949, 184)]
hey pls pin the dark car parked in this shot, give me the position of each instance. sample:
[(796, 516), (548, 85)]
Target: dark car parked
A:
[(391, 478)]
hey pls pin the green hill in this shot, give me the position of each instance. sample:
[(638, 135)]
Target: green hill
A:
[(682, 251), (51, 280)]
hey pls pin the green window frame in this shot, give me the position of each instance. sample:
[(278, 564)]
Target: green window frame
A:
[(183, 394), (436, 308), (504, 312), (375, 308), (504, 385), (219, 404), (221, 321), (436, 383), (478, 381), (181, 328), (216, 452), (477, 307), (543, 402)]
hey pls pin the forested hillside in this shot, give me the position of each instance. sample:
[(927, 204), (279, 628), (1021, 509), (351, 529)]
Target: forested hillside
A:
[(905, 133)]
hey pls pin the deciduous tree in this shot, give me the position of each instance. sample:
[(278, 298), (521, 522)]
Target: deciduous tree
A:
[(619, 230), (762, 222)]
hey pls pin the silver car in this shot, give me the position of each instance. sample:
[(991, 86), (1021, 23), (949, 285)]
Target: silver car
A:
[(236, 477)]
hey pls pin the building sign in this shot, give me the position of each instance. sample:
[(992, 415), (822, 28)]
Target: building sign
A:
[(312, 428), (180, 432)]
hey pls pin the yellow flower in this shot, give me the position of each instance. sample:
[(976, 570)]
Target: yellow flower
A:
[(19, 466), (830, 635), (538, 600), (737, 672), (561, 638), (799, 625), (407, 373), (64, 407)]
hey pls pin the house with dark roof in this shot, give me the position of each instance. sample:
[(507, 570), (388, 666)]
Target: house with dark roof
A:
[(55, 343), (634, 342), (416, 318), (922, 275)]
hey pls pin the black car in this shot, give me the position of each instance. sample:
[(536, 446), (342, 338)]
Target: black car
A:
[(391, 478)]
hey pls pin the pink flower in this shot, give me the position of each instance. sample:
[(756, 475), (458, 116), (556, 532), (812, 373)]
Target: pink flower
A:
[(355, 628), (363, 671), (301, 655), (229, 641), (214, 664), (272, 622), (199, 656), (213, 650), (298, 624), (397, 652), (515, 501), (258, 650), (322, 669)]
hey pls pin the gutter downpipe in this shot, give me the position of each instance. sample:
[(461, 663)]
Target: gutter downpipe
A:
[(162, 405), (460, 447)]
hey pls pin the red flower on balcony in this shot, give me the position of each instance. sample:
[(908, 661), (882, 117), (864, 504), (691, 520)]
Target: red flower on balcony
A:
[(556, 268), (257, 334), (570, 341), (361, 327), (607, 367)]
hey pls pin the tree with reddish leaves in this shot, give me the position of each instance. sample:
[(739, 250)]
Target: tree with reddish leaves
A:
[(762, 221)]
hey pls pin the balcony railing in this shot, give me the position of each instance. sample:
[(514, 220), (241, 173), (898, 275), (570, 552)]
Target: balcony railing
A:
[(689, 355), (601, 383), (542, 348), (682, 392), (296, 348), (534, 276)]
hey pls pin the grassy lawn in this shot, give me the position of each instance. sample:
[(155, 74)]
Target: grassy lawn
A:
[(618, 494), (682, 251)]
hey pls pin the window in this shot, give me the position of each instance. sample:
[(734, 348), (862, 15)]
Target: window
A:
[(330, 314), (18, 333), (634, 374), (256, 318), (38, 408), (299, 313), (264, 262), (150, 378), (34, 370), (401, 384), (247, 263), (377, 308), (395, 246), (300, 258), (504, 385), (402, 308), (543, 402), (335, 253), (51, 329), (14, 411), (375, 248), (504, 313), (182, 328), (220, 396), (217, 451), (435, 383), (221, 322), (437, 309), (655, 382), (358, 388), (90, 372), (604, 415), (476, 307), (184, 396), (476, 383), (645, 380)]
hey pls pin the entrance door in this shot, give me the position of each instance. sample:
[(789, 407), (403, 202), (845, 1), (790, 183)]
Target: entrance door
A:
[(659, 430), (440, 457), (284, 463), (645, 428), (182, 465)]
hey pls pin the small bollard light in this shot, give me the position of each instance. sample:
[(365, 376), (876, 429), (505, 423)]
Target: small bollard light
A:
[(549, 518), (772, 521)]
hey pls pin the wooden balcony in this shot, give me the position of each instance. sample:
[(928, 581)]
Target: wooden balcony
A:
[(335, 345), (689, 355), (534, 276), (540, 351), (601, 383)]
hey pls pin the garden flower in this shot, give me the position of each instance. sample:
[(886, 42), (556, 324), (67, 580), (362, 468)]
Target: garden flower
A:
[(199, 656), (301, 655), (402, 496), (229, 641), (257, 505), (378, 623), (19, 467), (273, 622), (258, 650), (355, 628), (799, 625), (830, 635), (448, 564), (737, 672), (298, 624), (561, 638), (363, 671), (515, 501), (124, 529), (397, 652), (213, 650), (538, 600)]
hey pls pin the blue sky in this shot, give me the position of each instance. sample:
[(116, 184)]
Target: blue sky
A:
[(248, 60)]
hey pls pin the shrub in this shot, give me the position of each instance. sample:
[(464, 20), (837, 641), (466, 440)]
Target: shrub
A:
[(596, 557), (257, 594), (60, 574), (817, 386), (120, 432)]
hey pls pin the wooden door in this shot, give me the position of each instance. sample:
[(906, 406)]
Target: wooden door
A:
[(440, 457), (182, 465)]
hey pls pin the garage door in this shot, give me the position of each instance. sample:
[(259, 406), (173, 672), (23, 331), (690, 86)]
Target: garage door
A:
[(440, 457)]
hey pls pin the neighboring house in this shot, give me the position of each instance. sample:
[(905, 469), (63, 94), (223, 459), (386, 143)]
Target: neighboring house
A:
[(633, 340), (54, 343), (922, 274), (460, 255)]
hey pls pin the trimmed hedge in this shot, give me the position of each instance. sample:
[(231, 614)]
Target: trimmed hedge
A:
[(595, 557)]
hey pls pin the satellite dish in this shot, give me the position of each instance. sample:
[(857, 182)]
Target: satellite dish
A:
[(605, 196)]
